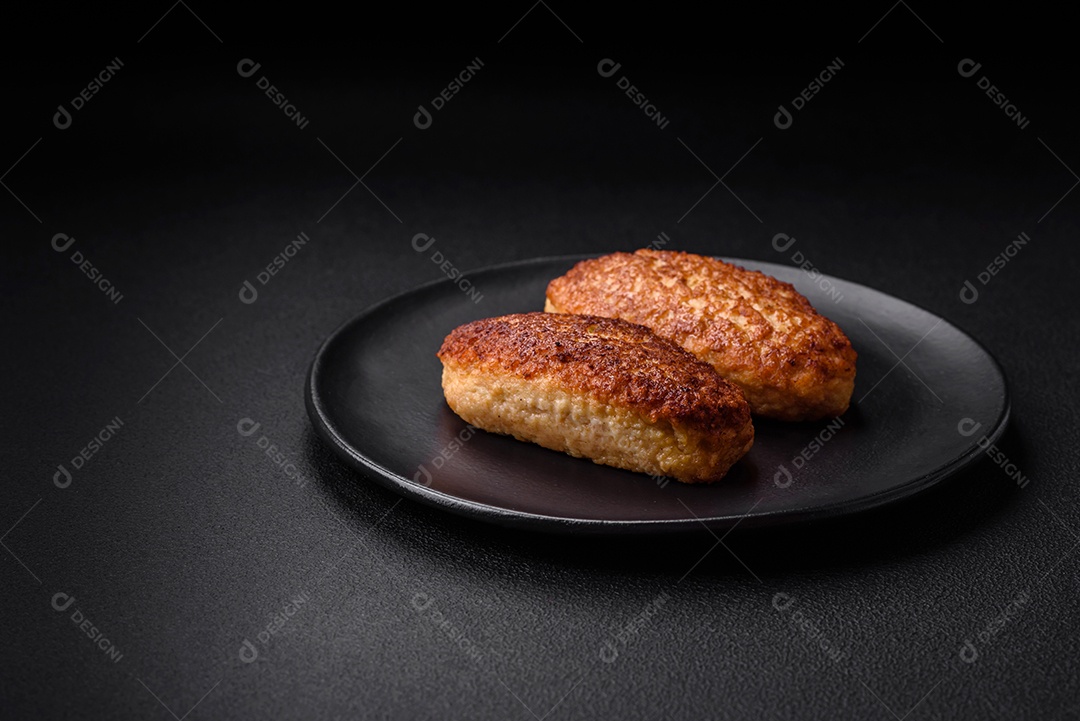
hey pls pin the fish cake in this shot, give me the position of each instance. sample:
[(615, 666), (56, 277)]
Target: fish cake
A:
[(793, 363), (598, 388)]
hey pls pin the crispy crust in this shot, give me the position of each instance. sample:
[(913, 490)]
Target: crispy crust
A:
[(616, 362), (758, 332), (662, 410)]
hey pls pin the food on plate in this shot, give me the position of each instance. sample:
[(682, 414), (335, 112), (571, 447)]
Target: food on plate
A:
[(599, 388), (791, 362)]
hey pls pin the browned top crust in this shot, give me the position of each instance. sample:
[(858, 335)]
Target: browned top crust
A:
[(614, 361), (740, 320)]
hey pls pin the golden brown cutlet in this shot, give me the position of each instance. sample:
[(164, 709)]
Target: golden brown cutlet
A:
[(791, 362), (599, 388)]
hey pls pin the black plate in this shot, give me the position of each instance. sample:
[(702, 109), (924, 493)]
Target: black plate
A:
[(374, 394)]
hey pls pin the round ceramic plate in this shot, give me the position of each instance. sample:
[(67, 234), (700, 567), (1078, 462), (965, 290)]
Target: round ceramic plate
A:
[(925, 395)]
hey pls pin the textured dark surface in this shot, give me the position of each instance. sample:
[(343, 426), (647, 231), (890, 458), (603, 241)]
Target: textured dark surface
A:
[(180, 538)]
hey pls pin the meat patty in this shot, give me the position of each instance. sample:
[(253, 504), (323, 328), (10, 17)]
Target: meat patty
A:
[(792, 362), (598, 388)]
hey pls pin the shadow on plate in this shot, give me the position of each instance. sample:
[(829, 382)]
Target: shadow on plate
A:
[(941, 515)]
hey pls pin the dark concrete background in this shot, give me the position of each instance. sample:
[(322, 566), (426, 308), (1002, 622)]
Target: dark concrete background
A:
[(179, 180)]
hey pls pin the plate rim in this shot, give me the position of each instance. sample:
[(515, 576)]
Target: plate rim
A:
[(559, 524)]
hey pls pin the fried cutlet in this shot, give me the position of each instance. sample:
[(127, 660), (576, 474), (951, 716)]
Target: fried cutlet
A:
[(792, 362), (599, 388)]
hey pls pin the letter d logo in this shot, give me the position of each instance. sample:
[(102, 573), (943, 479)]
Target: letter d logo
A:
[(968, 67), (968, 427), (62, 601), (62, 118), (969, 294), (246, 68), (246, 426), (782, 477), (62, 473), (782, 601), (248, 294), (782, 241), (61, 242), (419, 244), (426, 473), (782, 119), (422, 119), (248, 652), (607, 67)]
